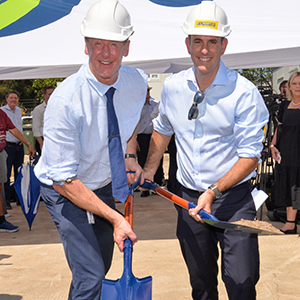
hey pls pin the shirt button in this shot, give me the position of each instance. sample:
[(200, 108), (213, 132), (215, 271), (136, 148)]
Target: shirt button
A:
[(197, 173), (197, 153), (198, 134)]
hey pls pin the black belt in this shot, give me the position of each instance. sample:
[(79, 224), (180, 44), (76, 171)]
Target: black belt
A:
[(202, 191), (195, 191), (14, 144)]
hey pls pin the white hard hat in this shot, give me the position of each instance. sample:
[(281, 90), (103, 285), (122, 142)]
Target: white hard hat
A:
[(207, 18), (107, 20)]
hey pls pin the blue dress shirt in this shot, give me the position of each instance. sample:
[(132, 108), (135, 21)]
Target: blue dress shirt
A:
[(16, 118), (229, 125), (75, 126)]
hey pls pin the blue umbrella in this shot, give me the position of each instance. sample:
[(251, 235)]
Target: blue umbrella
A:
[(27, 187)]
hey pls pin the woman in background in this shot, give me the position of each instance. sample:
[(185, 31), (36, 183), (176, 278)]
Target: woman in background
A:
[(285, 148)]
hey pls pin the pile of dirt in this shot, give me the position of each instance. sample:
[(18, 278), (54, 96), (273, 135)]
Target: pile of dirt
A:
[(259, 225)]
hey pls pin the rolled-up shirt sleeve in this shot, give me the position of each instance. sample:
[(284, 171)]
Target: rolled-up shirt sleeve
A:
[(62, 141), (251, 117)]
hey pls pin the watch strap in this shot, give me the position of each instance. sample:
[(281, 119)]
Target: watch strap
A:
[(129, 155), (215, 190)]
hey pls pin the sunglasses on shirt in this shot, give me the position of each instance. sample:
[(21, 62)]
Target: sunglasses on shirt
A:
[(194, 111)]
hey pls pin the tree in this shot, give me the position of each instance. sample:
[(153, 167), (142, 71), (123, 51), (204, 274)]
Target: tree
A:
[(259, 77), (38, 84), (23, 87)]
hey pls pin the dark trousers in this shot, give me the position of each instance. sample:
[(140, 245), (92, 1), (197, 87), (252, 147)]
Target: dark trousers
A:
[(88, 248), (144, 142), (239, 251), (38, 148), (173, 185), (15, 158)]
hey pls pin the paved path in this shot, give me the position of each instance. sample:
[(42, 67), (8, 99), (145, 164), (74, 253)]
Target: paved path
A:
[(33, 266)]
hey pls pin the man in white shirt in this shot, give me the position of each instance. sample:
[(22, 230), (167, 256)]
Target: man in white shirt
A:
[(217, 117), (145, 129), (75, 166), (38, 119)]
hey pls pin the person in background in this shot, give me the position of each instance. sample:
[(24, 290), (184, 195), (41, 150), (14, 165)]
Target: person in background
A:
[(285, 147), (217, 117), (38, 118), (77, 168), (144, 131), (14, 147), (283, 88), (7, 125), (173, 184)]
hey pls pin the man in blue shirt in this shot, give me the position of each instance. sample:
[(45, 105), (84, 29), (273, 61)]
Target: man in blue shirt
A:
[(217, 117), (74, 168), (14, 148)]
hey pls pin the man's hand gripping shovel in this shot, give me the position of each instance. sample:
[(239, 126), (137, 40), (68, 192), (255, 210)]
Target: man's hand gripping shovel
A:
[(205, 216)]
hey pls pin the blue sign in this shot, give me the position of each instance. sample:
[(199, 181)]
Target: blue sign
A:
[(18, 16), (176, 3)]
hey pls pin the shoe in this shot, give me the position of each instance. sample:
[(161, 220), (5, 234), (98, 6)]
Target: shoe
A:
[(270, 215), (7, 215), (153, 193), (145, 193), (290, 231), (8, 227), (8, 205)]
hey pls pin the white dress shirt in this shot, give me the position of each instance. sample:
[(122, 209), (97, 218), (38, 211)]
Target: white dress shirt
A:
[(38, 119), (75, 126), (229, 125)]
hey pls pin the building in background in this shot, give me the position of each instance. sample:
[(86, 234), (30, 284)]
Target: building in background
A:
[(280, 74), (156, 82)]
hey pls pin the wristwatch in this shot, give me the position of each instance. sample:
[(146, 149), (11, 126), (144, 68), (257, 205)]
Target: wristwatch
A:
[(215, 190), (130, 155)]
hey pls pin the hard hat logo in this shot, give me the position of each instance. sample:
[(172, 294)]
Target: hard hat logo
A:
[(207, 18), (107, 20), (206, 24)]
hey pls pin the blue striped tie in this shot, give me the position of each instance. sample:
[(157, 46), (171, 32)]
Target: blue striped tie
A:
[(120, 186)]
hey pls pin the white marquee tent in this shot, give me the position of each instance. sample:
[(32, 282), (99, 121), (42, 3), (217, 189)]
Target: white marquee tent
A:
[(265, 33)]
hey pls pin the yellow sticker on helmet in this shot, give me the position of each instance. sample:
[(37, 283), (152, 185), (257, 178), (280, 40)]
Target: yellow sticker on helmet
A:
[(206, 24)]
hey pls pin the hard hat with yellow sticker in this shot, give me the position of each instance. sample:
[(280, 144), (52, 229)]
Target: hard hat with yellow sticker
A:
[(208, 19)]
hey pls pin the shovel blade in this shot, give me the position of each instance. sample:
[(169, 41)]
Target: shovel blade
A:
[(127, 289), (241, 228)]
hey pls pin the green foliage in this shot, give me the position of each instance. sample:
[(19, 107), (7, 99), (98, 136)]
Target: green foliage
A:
[(23, 87), (259, 77), (38, 84), (30, 90)]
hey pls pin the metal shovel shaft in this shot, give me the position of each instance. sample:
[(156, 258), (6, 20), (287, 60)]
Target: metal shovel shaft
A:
[(128, 287)]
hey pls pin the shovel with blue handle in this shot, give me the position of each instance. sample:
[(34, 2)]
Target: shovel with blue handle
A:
[(128, 287), (205, 216)]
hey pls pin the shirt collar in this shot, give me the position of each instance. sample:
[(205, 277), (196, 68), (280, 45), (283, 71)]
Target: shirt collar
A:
[(100, 87), (220, 79), (7, 108)]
